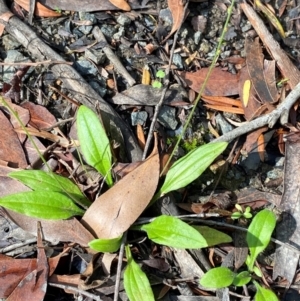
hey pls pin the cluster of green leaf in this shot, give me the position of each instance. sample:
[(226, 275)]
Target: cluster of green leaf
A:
[(241, 213), (258, 237), (55, 197), (160, 75)]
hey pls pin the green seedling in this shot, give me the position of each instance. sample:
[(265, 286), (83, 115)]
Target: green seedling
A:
[(57, 9), (160, 75), (241, 213), (258, 237)]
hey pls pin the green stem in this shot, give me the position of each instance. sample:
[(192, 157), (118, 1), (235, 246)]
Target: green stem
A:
[(216, 56)]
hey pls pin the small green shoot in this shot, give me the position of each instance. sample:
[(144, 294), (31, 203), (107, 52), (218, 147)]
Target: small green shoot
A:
[(258, 237), (136, 283), (94, 143), (106, 245), (57, 9), (259, 234), (240, 213), (160, 75), (263, 294), (218, 278)]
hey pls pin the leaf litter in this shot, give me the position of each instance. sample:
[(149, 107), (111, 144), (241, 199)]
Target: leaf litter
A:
[(115, 209)]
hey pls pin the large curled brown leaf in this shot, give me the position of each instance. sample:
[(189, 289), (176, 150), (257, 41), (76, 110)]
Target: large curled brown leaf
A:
[(116, 210)]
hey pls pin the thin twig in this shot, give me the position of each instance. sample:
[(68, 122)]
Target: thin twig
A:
[(18, 245), (112, 57), (36, 63), (119, 268), (75, 289), (163, 94)]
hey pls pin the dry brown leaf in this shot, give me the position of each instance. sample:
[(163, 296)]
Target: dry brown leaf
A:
[(40, 10), (177, 9), (5, 17), (34, 285), (220, 83), (10, 147), (52, 137), (17, 269), (116, 210), (220, 100), (261, 147), (265, 89), (226, 109), (40, 117), (121, 4), (70, 230), (140, 136)]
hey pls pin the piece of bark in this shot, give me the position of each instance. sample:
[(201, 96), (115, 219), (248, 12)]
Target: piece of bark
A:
[(73, 81), (87, 5), (288, 230), (287, 68)]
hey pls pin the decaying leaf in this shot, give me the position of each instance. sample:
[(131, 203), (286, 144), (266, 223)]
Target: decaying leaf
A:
[(34, 285), (40, 10), (220, 83), (40, 117), (70, 230), (116, 210), (121, 4), (265, 89), (177, 9), (10, 147)]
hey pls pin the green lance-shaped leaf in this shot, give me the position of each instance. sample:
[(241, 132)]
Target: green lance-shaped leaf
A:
[(41, 204), (217, 278), (171, 231), (136, 283), (213, 237), (41, 180), (264, 294), (94, 142), (259, 234), (191, 166), (106, 245), (242, 278)]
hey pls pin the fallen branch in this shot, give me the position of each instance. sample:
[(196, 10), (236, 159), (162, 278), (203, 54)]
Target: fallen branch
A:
[(282, 112)]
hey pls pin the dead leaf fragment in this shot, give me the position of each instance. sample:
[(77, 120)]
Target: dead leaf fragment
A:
[(220, 83), (40, 10), (255, 63), (116, 210), (177, 9), (10, 147), (121, 4), (73, 231)]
